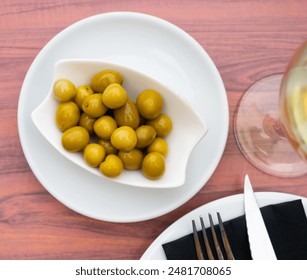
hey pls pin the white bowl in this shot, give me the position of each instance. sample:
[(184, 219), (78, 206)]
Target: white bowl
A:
[(188, 127)]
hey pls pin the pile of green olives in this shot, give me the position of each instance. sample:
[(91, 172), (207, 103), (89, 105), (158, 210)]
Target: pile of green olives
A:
[(112, 131)]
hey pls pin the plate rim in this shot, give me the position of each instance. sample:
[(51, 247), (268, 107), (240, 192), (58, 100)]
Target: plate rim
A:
[(137, 16)]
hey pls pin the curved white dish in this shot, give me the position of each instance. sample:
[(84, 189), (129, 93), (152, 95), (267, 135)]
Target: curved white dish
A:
[(188, 126), (229, 207), (176, 60)]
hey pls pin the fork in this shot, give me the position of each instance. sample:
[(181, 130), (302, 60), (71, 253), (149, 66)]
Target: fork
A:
[(217, 247)]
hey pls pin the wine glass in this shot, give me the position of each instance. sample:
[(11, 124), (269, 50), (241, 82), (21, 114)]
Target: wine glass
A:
[(271, 120)]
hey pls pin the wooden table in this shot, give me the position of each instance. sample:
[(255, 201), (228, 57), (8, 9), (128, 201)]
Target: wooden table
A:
[(246, 39)]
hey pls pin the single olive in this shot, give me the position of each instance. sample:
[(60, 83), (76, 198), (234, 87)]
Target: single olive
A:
[(109, 148), (94, 154), (132, 160), (87, 122), (101, 80), (153, 165), (158, 145), (145, 135), (64, 90), (127, 115), (67, 115), (124, 138), (149, 104), (93, 106), (112, 166), (104, 127), (82, 92), (162, 124), (75, 139), (114, 96)]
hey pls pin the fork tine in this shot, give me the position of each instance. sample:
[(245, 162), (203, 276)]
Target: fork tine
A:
[(196, 242), (207, 245), (216, 243), (225, 238)]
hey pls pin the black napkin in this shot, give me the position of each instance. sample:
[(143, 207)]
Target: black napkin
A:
[(286, 224)]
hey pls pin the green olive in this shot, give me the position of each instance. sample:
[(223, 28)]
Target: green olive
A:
[(75, 139), (162, 124), (153, 165), (113, 132), (114, 96), (104, 127), (109, 148), (132, 160), (127, 115), (158, 145), (101, 80), (93, 106), (82, 92), (145, 134), (124, 138), (149, 104), (67, 115), (64, 90), (87, 122), (94, 154), (112, 166)]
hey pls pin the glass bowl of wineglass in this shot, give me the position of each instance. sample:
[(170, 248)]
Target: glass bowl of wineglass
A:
[(271, 120)]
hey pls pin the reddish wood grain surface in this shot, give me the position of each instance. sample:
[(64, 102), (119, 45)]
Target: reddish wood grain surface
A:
[(246, 39)]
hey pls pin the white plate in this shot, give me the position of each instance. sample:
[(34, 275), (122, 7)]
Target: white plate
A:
[(230, 207), (159, 49)]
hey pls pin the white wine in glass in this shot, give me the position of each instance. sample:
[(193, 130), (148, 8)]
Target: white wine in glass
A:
[(271, 120), (293, 101)]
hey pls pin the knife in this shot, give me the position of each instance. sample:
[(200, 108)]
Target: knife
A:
[(259, 240)]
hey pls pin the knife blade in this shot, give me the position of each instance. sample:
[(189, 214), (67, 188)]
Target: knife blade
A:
[(259, 240)]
